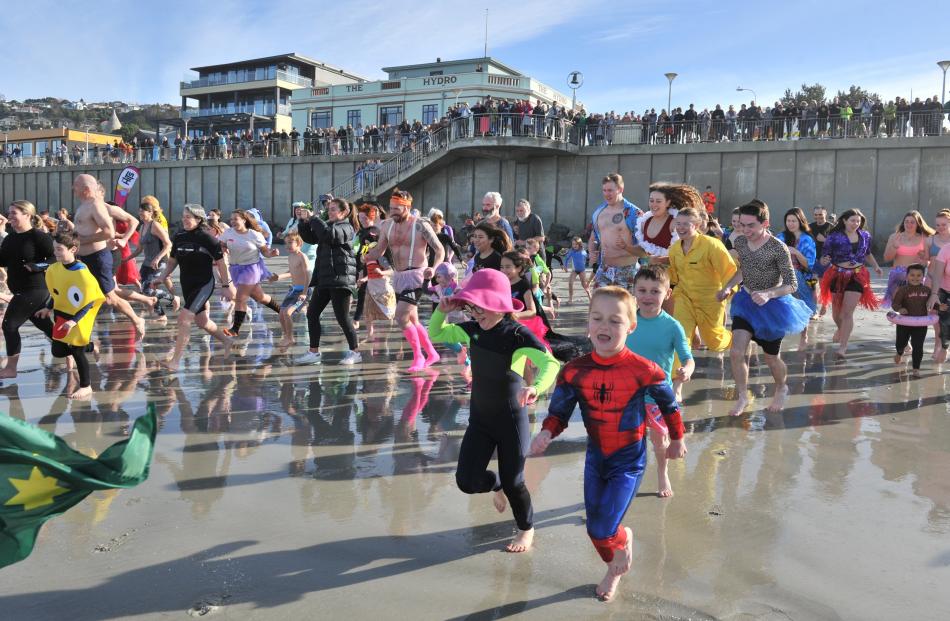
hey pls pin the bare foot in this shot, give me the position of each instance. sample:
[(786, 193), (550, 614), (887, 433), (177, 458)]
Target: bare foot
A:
[(139, 328), (942, 356), (7, 373), (82, 393), (500, 501), (778, 399), (285, 343), (665, 489), (840, 355), (898, 359), (742, 402), (522, 541), (176, 303), (616, 568), (169, 364)]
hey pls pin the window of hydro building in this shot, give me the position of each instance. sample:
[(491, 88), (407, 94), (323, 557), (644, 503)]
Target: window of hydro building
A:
[(430, 113), (353, 117), (321, 118), (390, 115)]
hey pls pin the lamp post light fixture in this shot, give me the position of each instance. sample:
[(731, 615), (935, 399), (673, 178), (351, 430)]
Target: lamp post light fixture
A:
[(754, 96), (575, 80), (669, 93), (944, 64)]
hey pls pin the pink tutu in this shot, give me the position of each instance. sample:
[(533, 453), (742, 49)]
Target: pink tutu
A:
[(537, 326), (251, 274)]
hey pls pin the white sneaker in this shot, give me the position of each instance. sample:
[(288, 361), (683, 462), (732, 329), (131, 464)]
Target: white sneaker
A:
[(311, 357), (351, 357)]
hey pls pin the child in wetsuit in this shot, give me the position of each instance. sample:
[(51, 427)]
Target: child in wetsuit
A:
[(610, 386), (498, 346)]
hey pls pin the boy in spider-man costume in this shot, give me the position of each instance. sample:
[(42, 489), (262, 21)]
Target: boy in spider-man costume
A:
[(610, 385)]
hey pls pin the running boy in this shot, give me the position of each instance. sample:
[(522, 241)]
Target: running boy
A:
[(576, 258), (610, 385), (912, 300), (75, 298), (657, 337), (296, 297)]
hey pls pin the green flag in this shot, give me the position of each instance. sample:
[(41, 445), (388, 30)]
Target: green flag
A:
[(41, 477)]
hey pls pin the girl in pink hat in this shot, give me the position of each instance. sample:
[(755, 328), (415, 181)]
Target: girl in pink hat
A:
[(498, 346)]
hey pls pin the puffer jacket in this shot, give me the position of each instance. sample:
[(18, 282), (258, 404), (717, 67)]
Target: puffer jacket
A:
[(335, 267)]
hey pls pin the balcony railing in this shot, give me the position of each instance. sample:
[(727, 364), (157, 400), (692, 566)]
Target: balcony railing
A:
[(399, 152), (259, 76), (262, 109)]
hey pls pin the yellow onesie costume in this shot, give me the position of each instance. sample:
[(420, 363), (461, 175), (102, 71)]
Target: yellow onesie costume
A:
[(75, 293), (698, 276)]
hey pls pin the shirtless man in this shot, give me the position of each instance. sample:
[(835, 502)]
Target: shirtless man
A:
[(611, 244), (96, 234), (406, 237)]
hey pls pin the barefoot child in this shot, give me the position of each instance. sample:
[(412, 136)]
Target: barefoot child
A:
[(657, 337), (576, 258), (75, 301), (296, 297), (912, 300), (446, 284), (610, 385), (499, 347)]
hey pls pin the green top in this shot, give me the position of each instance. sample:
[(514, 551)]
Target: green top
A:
[(547, 364)]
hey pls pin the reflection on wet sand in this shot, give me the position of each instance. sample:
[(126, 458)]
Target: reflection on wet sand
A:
[(275, 487)]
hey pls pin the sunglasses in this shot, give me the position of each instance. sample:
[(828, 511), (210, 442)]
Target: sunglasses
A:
[(473, 310)]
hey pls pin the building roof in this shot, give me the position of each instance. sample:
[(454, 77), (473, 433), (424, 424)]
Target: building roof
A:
[(485, 60), (289, 56)]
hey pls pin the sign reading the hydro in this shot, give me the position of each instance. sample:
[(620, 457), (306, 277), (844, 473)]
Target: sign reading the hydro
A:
[(441, 80)]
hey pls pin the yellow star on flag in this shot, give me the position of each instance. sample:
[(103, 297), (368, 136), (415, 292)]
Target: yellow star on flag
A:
[(37, 491)]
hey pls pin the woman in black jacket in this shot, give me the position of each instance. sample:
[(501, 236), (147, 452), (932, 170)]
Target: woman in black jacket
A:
[(334, 275)]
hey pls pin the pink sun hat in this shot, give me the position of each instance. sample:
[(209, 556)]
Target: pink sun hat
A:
[(488, 289)]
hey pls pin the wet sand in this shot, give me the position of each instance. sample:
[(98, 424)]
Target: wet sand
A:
[(282, 492)]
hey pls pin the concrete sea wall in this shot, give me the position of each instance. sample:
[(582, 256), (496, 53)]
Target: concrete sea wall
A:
[(884, 178)]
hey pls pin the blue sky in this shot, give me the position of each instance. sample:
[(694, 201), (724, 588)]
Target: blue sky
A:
[(140, 51)]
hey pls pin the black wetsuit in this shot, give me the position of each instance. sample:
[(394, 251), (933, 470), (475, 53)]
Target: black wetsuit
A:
[(196, 251), (496, 418), (28, 287)]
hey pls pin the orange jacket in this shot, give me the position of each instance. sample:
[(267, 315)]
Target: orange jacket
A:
[(709, 198)]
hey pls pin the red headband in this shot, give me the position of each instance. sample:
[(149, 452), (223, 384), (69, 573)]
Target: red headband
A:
[(399, 200)]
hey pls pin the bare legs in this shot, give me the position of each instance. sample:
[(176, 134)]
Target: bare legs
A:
[(739, 356), (203, 321), (843, 315), (116, 302)]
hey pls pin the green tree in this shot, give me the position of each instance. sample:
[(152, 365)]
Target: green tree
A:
[(814, 92), (855, 95), (128, 131)]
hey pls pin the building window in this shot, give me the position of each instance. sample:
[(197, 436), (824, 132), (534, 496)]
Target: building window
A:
[(353, 117), (430, 114), (435, 72), (321, 118), (390, 115)]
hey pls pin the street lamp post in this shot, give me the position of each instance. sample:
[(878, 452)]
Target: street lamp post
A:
[(669, 93), (575, 80), (754, 96), (944, 64)]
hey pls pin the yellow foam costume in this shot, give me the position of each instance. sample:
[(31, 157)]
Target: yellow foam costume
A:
[(698, 276), (75, 293)]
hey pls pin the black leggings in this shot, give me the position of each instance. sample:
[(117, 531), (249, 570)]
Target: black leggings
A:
[(23, 307), (916, 336), (943, 297), (360, 302), (78, 352), (340, 298), (511, 437)]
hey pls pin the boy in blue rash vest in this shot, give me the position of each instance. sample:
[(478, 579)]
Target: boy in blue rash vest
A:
[(610, 385), (611, 244), (658, 337)]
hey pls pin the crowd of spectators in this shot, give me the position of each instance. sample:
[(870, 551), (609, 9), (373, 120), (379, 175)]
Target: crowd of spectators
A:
[(806, 119)]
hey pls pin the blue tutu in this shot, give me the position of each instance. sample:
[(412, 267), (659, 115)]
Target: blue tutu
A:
[(775, 319)]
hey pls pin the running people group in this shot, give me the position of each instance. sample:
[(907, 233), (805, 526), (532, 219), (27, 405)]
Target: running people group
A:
[(663, 283)]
